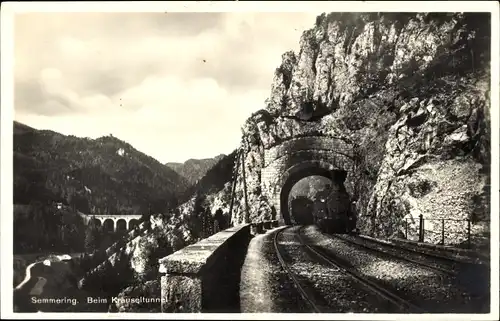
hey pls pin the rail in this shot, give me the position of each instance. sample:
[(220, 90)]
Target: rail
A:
[(321, 257), (387, 295), (306, 296), (387, 253)]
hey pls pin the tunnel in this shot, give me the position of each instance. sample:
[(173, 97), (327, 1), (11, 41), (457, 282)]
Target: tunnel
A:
[(300, 209), (336, 176)]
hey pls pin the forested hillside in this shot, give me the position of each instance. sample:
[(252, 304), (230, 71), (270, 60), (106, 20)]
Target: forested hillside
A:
[(132, 269), (104, 175), (194, 169)]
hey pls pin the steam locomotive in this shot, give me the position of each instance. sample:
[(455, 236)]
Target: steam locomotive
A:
[(333, 212)]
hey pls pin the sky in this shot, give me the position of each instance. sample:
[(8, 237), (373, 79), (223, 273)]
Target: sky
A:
[(173, 85)]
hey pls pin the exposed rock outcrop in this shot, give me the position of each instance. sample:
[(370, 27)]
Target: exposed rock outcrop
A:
[(409, 93)]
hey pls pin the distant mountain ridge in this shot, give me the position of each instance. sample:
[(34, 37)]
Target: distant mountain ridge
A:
[(194, 169), (103, 175)]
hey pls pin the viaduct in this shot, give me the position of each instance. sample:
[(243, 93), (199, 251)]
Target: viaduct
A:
[(112, 222)]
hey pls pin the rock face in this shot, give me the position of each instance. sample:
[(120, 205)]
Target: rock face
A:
[(399, 103)]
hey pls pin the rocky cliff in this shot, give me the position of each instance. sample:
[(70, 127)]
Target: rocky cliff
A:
[(408, 92)]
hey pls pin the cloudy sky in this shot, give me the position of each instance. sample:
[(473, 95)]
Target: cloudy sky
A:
[(174, 85)]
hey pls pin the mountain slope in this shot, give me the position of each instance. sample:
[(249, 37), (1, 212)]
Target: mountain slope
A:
[(105, 175), (164, 233), (194, 169)]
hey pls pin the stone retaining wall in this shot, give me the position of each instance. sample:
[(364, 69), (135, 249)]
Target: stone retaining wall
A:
[(205, 277)]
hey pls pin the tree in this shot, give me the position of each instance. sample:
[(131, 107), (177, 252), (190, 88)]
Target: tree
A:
[(146, 218), (208, 224), (158, 252), (198, 221), (93, 236), (74, 233), (220, 219)]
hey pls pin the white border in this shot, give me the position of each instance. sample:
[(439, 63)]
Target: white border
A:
[(7, 16)]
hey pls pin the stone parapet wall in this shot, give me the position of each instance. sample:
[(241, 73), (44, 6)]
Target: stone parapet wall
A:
[(204, 277)]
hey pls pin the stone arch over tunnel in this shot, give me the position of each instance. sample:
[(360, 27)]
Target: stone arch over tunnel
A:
[(320, 153), (299, 171), (281, 157)]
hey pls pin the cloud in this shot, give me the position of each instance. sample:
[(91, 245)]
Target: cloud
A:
[(174, 85)]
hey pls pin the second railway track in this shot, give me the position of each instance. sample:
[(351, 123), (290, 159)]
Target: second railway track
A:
[(395, 301), (392, 255)]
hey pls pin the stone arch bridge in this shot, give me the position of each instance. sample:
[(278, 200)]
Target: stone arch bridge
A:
[(113, 222)]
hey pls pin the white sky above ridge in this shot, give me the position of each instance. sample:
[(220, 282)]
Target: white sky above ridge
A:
[(142, 76)]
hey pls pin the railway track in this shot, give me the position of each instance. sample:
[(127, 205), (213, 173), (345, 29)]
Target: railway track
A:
[(304, 293), (396, 256), (393, 299)]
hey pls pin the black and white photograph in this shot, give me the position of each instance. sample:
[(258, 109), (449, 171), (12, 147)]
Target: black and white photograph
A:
[(250, 159)]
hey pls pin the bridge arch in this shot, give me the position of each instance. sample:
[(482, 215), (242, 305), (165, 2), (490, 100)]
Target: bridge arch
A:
[(112, 222), (108, 225), (97, 222), (133, 223), (121, 225)]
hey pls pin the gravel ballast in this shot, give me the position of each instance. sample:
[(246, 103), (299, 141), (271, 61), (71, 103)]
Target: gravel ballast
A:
[(266, 287), (433, 291), (439, 263), (333, 287)]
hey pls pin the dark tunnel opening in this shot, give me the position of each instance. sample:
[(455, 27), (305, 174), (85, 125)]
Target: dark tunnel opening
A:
[(305, 210), (305, 197)]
